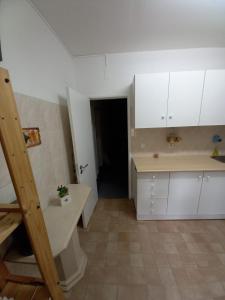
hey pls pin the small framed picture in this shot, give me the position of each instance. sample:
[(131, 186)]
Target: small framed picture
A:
[(32, 136)]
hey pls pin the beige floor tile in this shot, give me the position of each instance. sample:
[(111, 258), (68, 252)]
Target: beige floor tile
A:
[(147, 247), (132, 292), (124, 259), (176, 259), (166, 276), (152, 226), (149, 260), (221, 257), (216, 289), (166, 226), (209, 274), (101, 292), (187, 259), (217, 247), (193, 248), (78, 292), (181, 277), (136, 260), (156, 292), (131, 275), (170, 248), (193, 274), (172, 293), (102, 274), (161, 259), (152, 275), (207, 260)]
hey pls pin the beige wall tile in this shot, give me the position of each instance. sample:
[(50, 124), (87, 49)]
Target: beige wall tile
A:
[(52, 160), (194, 139)]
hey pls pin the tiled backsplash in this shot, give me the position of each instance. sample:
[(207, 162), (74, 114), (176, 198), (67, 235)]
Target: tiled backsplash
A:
[(51, 161), (194, 140)]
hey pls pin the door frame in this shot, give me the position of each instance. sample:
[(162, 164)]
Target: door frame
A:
[(128, 99)]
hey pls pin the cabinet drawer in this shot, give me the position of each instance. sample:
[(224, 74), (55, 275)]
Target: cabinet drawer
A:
[(152, 206), (155, 184)]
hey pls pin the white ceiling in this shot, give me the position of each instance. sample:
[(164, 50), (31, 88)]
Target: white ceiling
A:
[(110, 26)]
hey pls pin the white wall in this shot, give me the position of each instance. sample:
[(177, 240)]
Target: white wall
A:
[(111, 75), (38, 63)]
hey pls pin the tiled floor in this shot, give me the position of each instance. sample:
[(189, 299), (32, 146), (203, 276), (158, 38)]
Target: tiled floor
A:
[(150, 260)]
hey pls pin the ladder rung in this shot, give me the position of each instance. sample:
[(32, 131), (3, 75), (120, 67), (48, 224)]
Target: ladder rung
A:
[(9, 208), (8, 224), (25, 279)]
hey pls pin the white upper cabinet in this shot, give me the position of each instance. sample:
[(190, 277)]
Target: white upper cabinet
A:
[(188, 98), (213, 103), (151, 95), (185, 96)]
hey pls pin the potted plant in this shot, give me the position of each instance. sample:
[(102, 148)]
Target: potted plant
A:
[(63, 193)]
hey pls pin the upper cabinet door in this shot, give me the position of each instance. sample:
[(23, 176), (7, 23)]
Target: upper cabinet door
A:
[(213, 103), (151, 95), (185, 97)]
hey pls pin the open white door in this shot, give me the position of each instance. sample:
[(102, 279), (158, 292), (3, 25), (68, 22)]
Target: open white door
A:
[(83, 146)]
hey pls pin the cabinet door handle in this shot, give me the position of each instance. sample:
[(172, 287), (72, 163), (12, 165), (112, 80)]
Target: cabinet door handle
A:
[(153, 177), (170, 117), (199, 177), (207, 178), (163, 117)]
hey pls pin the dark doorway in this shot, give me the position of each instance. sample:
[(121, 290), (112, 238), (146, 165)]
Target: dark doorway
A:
[(111, 146)]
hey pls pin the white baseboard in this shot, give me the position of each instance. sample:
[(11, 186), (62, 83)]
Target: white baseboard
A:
[(179, 217)]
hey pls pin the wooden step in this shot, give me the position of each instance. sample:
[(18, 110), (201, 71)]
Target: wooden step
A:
[(8, 223), (25, 292), (9, 208)]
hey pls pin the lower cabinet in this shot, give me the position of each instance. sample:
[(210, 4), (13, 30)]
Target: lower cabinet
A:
[(152, 194), (180, 195), (212, 200), (184, 193)]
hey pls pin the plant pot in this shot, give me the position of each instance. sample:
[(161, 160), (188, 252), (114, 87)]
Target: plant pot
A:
[(64, 200)]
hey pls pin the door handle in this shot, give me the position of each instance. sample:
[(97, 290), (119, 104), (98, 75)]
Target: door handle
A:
[(82, 168)]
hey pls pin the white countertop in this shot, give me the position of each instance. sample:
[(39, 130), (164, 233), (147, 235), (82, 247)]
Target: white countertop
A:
[(61, 222), (173, 163)]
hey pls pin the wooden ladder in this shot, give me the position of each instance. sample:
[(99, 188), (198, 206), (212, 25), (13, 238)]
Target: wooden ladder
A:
[(28, 209)]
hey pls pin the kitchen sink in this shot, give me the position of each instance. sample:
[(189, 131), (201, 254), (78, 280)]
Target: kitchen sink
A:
[(220, 158)]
